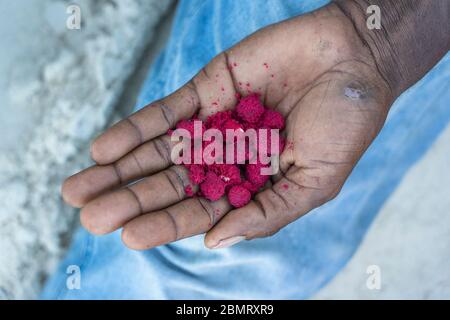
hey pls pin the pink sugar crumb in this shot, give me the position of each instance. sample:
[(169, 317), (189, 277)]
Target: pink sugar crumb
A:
[(253, 174), (239, 196), (229, 173), (189, 191), (213, 188), (250, 109), (250, 186), (197, 173), (217, 120), (189, 126), (273, 119), (232, 125), (285, 186)]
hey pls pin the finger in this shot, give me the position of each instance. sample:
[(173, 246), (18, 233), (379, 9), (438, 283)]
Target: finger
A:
[(288, 199), (112, 210), (148, 123), (213, 88), (185, 219), (147, 159)]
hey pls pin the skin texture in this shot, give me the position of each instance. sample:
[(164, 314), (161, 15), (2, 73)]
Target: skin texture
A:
[(314, 69), (413, 38)]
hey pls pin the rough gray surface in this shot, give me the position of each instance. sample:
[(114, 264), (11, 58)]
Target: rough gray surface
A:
[(58, 88), (409, 240)]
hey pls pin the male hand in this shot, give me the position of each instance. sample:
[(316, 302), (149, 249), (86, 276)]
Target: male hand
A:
[(314, 69)]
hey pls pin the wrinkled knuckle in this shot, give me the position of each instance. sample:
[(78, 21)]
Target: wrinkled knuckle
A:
[(207, 209), (168, 114), (179, 179), (262, 209), (174, 181), (163, 150)]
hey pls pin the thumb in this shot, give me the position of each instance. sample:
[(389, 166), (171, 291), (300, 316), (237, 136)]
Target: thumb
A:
[(272, 209)]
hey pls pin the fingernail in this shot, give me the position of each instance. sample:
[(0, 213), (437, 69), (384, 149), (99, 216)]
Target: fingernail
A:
[(225, 243)]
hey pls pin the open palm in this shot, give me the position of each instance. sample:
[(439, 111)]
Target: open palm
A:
[(313, 69)]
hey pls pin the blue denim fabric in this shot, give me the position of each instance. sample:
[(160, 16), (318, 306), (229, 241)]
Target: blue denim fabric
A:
[(302, 257)]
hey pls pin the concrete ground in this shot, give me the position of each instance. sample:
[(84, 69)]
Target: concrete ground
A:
[(409, 240), (58, 88)]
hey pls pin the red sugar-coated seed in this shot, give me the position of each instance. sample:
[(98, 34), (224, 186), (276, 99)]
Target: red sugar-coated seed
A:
[(250, 109), (253, 174), (229, 173), (250, 187), (239, 196), (217, 120), (272, 119), (213, 188), (189, 126), (231, 124), (217, 179), (197, 173)]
